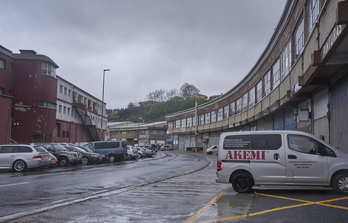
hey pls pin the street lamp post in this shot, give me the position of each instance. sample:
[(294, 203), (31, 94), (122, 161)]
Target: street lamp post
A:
[(102, 114)]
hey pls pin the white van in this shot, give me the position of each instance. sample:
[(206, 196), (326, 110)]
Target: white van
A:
[(247, 159)]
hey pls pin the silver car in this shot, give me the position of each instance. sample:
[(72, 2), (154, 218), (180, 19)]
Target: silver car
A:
[(19, 157)]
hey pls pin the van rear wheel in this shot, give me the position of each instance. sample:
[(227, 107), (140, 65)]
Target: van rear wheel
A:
[(242, 183), (340, 183)]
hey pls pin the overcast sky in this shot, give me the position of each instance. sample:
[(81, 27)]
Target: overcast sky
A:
[(147, 44)]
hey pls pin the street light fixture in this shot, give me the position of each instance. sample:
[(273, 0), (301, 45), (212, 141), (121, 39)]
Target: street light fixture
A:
[(102, 114)]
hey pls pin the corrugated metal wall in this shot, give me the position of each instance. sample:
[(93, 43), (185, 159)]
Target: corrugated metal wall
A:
[(339, 113)]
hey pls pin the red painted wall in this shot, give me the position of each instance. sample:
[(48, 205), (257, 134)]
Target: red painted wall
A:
[(31, 87)]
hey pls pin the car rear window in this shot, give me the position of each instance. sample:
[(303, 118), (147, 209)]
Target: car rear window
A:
[(40, 149)]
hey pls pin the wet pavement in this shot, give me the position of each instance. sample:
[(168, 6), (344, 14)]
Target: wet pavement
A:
[(192, 196)]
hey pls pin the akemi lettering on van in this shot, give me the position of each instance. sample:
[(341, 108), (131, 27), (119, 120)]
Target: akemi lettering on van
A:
[(246, 155)]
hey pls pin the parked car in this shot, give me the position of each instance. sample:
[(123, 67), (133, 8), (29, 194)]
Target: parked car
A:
[(53, 160), (149, 152), (166, 147), (19, 157), (103, 157), (132, 153), (64, 156), (141, 151), (211, 149), (87, 157), (113, 150)]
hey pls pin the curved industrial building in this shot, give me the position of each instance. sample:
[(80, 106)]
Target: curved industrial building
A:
[(300, 82)]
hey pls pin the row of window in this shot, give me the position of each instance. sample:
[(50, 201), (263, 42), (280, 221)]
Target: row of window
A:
[(271, 79)]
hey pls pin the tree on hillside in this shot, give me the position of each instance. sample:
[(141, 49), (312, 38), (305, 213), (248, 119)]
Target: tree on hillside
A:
[(187, 90), (157, 95)]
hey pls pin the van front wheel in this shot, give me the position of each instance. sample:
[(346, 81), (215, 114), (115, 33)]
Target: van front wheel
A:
[(112, 158), (242, 183), (340, 183)]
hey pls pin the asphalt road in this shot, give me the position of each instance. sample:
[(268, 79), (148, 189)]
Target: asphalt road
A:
[(168, 188), (173, 187)]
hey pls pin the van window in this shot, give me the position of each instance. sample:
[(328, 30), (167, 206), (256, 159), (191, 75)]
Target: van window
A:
[(303, 144), (266, 142), (237, 142), (253, 142), (308, 145), (107, 145)]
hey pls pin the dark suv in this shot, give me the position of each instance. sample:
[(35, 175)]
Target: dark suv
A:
[(64, 156)]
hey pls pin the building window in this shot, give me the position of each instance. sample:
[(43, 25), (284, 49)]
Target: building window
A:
[(259, 92), (313, 12), (60, 109), (47, 104), (2, 63), (177, 124), (194, 121), (276, 74), (189, 122), (69, 93), (239, 106), (61, 89), (183, 123), (251, 97), (299, 38), (232, 108), (220, 114), (267, 83), (245, 102), (201, 120), (207, 118), (226, 111), (65, 91), (213, 116), (48, 69), (285, 61)]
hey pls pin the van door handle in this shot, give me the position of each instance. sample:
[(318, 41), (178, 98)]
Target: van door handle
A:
[(276, 156), (292, 157)]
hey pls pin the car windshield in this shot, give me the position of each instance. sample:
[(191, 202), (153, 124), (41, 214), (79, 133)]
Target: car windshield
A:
[(79, 149), (59, 147), (87, 149)]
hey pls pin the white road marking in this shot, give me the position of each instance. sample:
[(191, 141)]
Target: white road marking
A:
[(9, 185)]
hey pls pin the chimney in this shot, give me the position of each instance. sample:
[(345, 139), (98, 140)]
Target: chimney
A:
[(27, 52)]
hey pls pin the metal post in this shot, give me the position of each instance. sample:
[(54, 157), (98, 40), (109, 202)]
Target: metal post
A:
[(102, 113)]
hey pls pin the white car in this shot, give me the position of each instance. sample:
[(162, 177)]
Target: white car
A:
[(19, 157), (166, 147), (211, 149)]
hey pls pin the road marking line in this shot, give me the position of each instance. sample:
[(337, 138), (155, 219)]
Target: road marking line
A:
[(305, 203), (8, 185), (205, 208)]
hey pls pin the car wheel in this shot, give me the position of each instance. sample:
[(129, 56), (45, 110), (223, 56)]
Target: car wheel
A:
[(63, 161), (112, 158), (84, 160), (340, 183), (242, 183), (19, 165)]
